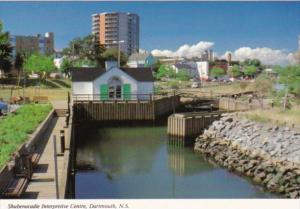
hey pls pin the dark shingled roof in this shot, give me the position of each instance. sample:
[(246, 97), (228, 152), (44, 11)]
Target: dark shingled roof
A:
[(90, 74), (139, 74), (85, 73)]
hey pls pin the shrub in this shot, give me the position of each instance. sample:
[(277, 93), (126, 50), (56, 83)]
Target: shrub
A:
[(15, 127)]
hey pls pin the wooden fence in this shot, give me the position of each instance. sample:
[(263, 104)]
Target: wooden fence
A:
[(230, 104), (121, 110)]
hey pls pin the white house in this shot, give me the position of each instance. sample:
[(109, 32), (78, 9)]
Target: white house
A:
[(141, 60), (189, 67), (112, 84), (203, 69), (58, 62)]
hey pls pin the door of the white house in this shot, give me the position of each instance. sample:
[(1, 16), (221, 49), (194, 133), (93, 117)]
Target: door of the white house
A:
[(115, 88)]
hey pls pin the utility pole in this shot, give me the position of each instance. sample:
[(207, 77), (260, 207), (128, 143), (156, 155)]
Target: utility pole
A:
[(24, 85), (119, 51), (119, 55)]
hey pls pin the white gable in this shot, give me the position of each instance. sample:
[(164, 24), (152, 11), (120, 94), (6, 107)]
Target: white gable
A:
[(115, 72)]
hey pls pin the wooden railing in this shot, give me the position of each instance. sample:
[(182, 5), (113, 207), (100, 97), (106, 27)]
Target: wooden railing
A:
[(123, 98), (230, 104)]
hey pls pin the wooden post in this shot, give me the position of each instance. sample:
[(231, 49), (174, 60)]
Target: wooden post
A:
[(55, 166)]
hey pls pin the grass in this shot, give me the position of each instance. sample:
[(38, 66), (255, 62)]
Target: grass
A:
[(207, 90), (275, 116), (54, 89), (14, 128), (31, 82)]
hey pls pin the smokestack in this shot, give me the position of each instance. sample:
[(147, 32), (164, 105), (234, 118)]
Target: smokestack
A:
[(211, 55), (229, 58)]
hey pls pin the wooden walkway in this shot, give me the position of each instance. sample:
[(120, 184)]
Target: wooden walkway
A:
[(42, 185)]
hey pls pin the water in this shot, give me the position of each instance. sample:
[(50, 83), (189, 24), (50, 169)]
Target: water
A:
[(137, 162)]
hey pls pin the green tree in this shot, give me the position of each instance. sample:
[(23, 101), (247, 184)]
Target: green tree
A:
[(157, 66), (235, 71), (250, 71), (86, 48), (182, 75), (263, 86), (112, 54), (66, 65), (217, 71), (164, 71), (40, 64), (5, 50), (252, 62), (290, 76)]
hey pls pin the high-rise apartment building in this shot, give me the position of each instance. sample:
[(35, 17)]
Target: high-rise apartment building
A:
[(33, 44), (109, 28)]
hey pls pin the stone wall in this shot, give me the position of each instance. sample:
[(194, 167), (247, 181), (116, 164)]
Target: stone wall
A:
[(269, 155)]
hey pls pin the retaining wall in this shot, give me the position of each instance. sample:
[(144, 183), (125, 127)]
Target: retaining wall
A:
[(7, 172), (267, 154)]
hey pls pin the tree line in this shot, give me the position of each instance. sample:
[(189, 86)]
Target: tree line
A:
[(80, 52)]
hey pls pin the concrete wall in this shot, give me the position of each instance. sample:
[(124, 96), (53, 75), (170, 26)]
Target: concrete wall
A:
[(7, 172)]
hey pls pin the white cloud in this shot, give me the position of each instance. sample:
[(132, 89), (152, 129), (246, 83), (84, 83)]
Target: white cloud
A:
[(185, 50), (265, 55)]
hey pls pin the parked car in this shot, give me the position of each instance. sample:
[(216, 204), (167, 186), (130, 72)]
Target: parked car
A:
[(33, 75), (195, 85)]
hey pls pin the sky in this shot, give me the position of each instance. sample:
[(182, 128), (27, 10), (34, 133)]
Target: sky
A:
[(268, 30)]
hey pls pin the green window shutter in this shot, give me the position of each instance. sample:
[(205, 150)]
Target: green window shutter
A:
[(103, 91), (126, 91)]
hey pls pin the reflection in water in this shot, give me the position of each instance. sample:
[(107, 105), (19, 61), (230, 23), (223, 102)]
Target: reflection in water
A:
[(111, 151), (179, 159), (137, 162)]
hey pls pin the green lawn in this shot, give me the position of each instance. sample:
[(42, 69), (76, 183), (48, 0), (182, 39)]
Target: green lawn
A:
[(14, 128)]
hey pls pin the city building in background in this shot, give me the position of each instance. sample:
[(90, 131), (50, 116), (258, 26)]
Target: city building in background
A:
[(141, 60), (203, 69), (206, 55), (188, 66), (33, 44), (110, 28)]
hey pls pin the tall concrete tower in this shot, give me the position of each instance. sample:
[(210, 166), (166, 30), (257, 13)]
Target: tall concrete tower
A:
[(229, 57), (109, 28)]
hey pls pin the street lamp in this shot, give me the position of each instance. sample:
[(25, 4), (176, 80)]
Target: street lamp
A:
[(119, 53)]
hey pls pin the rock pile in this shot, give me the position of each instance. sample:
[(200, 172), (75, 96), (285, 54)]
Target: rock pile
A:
[(269, 155)]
